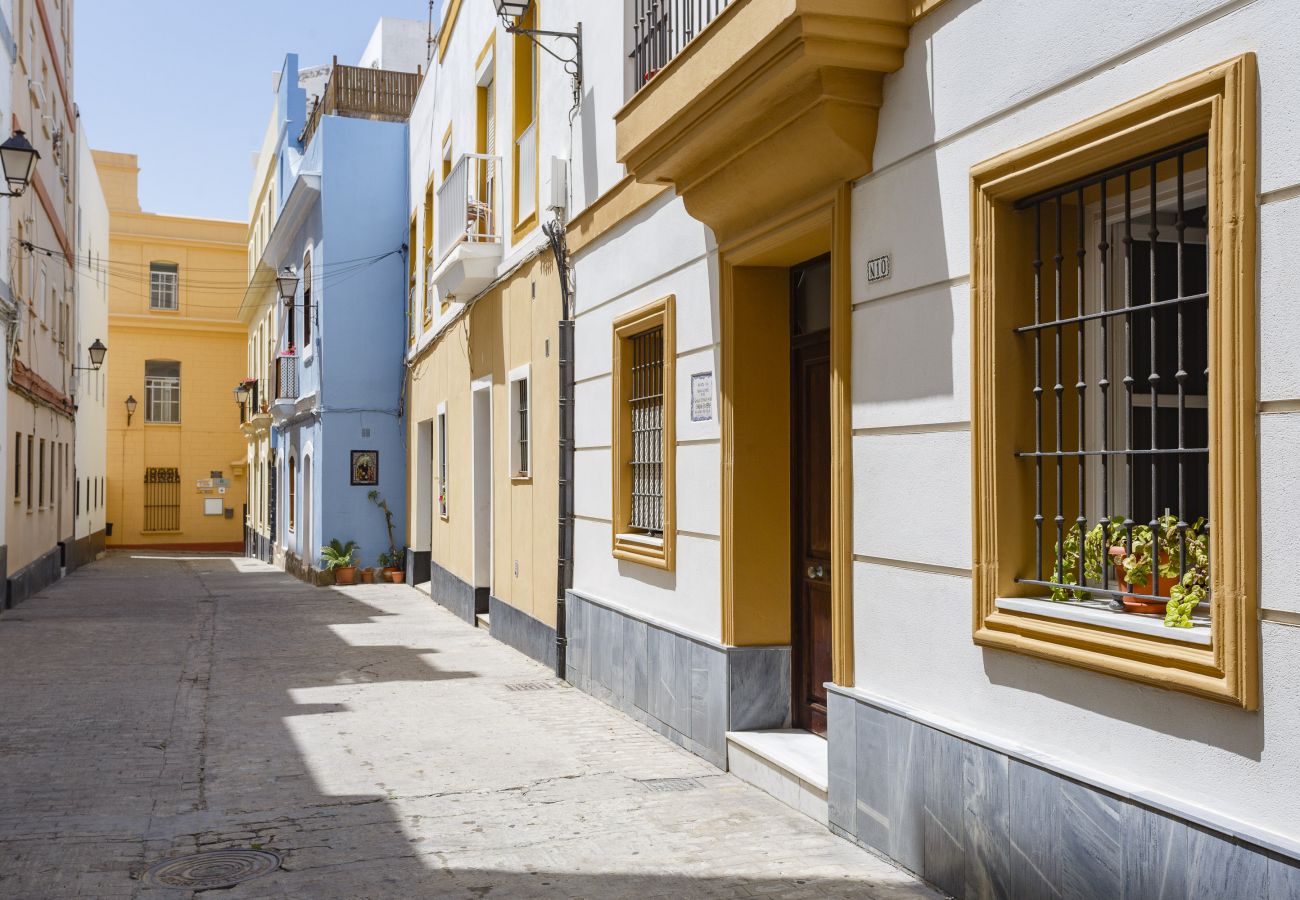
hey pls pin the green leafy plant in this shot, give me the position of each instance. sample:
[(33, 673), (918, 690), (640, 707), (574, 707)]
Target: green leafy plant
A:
[(390, 560), (1135, 553), (338, 555), (1194, 587)]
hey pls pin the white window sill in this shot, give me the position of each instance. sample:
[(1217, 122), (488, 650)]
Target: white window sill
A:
[(1095, 613), (645, 539)]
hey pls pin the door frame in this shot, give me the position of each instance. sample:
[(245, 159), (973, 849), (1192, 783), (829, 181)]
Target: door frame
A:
[(482, 557), (822, 225)]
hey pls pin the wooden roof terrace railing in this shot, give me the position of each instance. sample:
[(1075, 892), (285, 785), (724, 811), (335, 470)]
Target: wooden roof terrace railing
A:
[(364, 93)]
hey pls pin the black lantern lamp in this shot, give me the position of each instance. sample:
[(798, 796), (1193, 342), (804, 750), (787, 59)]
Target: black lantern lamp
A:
[(287, 281), (130, 409), (241, 393), (97, 352), (18, 159), (511, 10)]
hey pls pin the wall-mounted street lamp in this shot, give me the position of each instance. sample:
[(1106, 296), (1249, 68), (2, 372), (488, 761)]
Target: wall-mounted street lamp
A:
[(287, 281), (130, 409), (18, 160), (241, 393), (511, 10), (97, 351)]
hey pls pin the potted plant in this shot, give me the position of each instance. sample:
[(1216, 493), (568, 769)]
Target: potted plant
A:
[(1134, 553), (368, 575), (337, 557)]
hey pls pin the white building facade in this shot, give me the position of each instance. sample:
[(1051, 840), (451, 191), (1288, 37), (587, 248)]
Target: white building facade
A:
[(91, 383), (874, 308)]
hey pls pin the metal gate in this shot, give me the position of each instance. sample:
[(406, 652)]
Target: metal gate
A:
[(162, 500)]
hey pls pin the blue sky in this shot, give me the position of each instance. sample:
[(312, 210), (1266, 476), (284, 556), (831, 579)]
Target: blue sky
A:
[(187, 85)]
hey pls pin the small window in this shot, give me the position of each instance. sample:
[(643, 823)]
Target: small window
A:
[(18, 466), (162, 499), (306, 301), (293, 493), (520, 423), (40, 480), (162, 391), (442, 461), (163, 279), (644, 434)]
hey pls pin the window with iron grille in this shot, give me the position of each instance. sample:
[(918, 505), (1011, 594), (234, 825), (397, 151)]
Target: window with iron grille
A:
[(1120, 388), (520, 422), (162, 499), (162, 391), (18, 466), (1113, 391), (292, 490), (646, 406), (644, 434), (163, 280), (306, 301)]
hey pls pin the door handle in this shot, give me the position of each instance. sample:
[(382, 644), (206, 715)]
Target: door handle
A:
[(815, 572), (812, 572)]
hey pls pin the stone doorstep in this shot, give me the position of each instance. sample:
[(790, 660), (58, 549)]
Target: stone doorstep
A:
[(788, 763), (481, 620)]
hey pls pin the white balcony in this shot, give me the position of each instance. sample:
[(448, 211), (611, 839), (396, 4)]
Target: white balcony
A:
[(469, 228)]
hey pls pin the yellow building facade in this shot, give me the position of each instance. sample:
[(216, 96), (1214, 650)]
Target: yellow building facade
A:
[(176, 457)]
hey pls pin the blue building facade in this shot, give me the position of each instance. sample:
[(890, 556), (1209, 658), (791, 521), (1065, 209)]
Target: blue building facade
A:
[(337, 404)]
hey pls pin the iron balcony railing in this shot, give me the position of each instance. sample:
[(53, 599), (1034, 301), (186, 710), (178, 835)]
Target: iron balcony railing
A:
[(661, 28), (286, 378), (363, 93), (467, 203), (526, 170)]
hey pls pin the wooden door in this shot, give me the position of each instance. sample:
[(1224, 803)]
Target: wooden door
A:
[(810, 442)]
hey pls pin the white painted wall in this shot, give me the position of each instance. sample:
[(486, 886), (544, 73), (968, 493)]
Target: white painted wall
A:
[(942, 114), (8, 309), (91, 388), (398, 45)]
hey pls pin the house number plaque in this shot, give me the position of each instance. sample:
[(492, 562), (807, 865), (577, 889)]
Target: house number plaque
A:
[(877, 269)]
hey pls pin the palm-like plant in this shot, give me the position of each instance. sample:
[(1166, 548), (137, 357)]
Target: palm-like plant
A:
[(338, 555)]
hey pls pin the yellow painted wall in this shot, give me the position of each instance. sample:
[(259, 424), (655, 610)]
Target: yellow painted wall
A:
[(505, 329), (204, 335)]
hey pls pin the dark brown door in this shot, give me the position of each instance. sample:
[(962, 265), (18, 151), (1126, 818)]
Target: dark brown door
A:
[(810, 427)]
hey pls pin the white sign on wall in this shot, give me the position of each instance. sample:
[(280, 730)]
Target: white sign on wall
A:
[(878, 268), (702, 397)]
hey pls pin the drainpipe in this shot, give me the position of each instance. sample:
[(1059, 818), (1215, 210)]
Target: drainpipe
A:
[(554, 230)]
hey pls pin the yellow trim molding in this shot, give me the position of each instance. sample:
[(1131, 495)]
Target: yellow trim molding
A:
[(1219, 103), (755, 418), (659, 314), (448, 26), (799, 79), (609, 209)]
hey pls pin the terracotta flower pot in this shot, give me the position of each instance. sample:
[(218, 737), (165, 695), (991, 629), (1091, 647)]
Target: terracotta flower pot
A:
[(397, 576), (386, 574), (345, 575), (367, 575), (1133, 604)]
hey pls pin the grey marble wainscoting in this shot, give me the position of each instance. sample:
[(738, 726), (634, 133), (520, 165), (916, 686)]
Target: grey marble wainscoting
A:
[(980, 823), (417, 566), (521, 631), (451, 592), (691, 690)]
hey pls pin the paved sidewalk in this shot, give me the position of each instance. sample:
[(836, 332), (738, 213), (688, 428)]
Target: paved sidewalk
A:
[(152, 707)]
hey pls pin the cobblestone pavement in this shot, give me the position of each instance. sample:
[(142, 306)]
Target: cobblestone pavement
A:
[(155, 706)]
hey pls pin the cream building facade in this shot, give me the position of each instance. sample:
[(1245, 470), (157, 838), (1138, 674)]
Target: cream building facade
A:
[(812, 352), (489, 149), (42, 229), (176, 458)]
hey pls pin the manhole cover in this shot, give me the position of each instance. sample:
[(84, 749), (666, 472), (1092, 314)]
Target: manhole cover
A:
[(669, 784), (212, 869), (531, 686)]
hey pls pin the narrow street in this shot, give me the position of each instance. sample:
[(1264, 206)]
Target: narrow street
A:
[(157, 706)]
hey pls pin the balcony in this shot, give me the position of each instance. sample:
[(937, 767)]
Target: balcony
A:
[(801, 79), (363, 93), (254, 413), (286, 387), (469, 228)]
